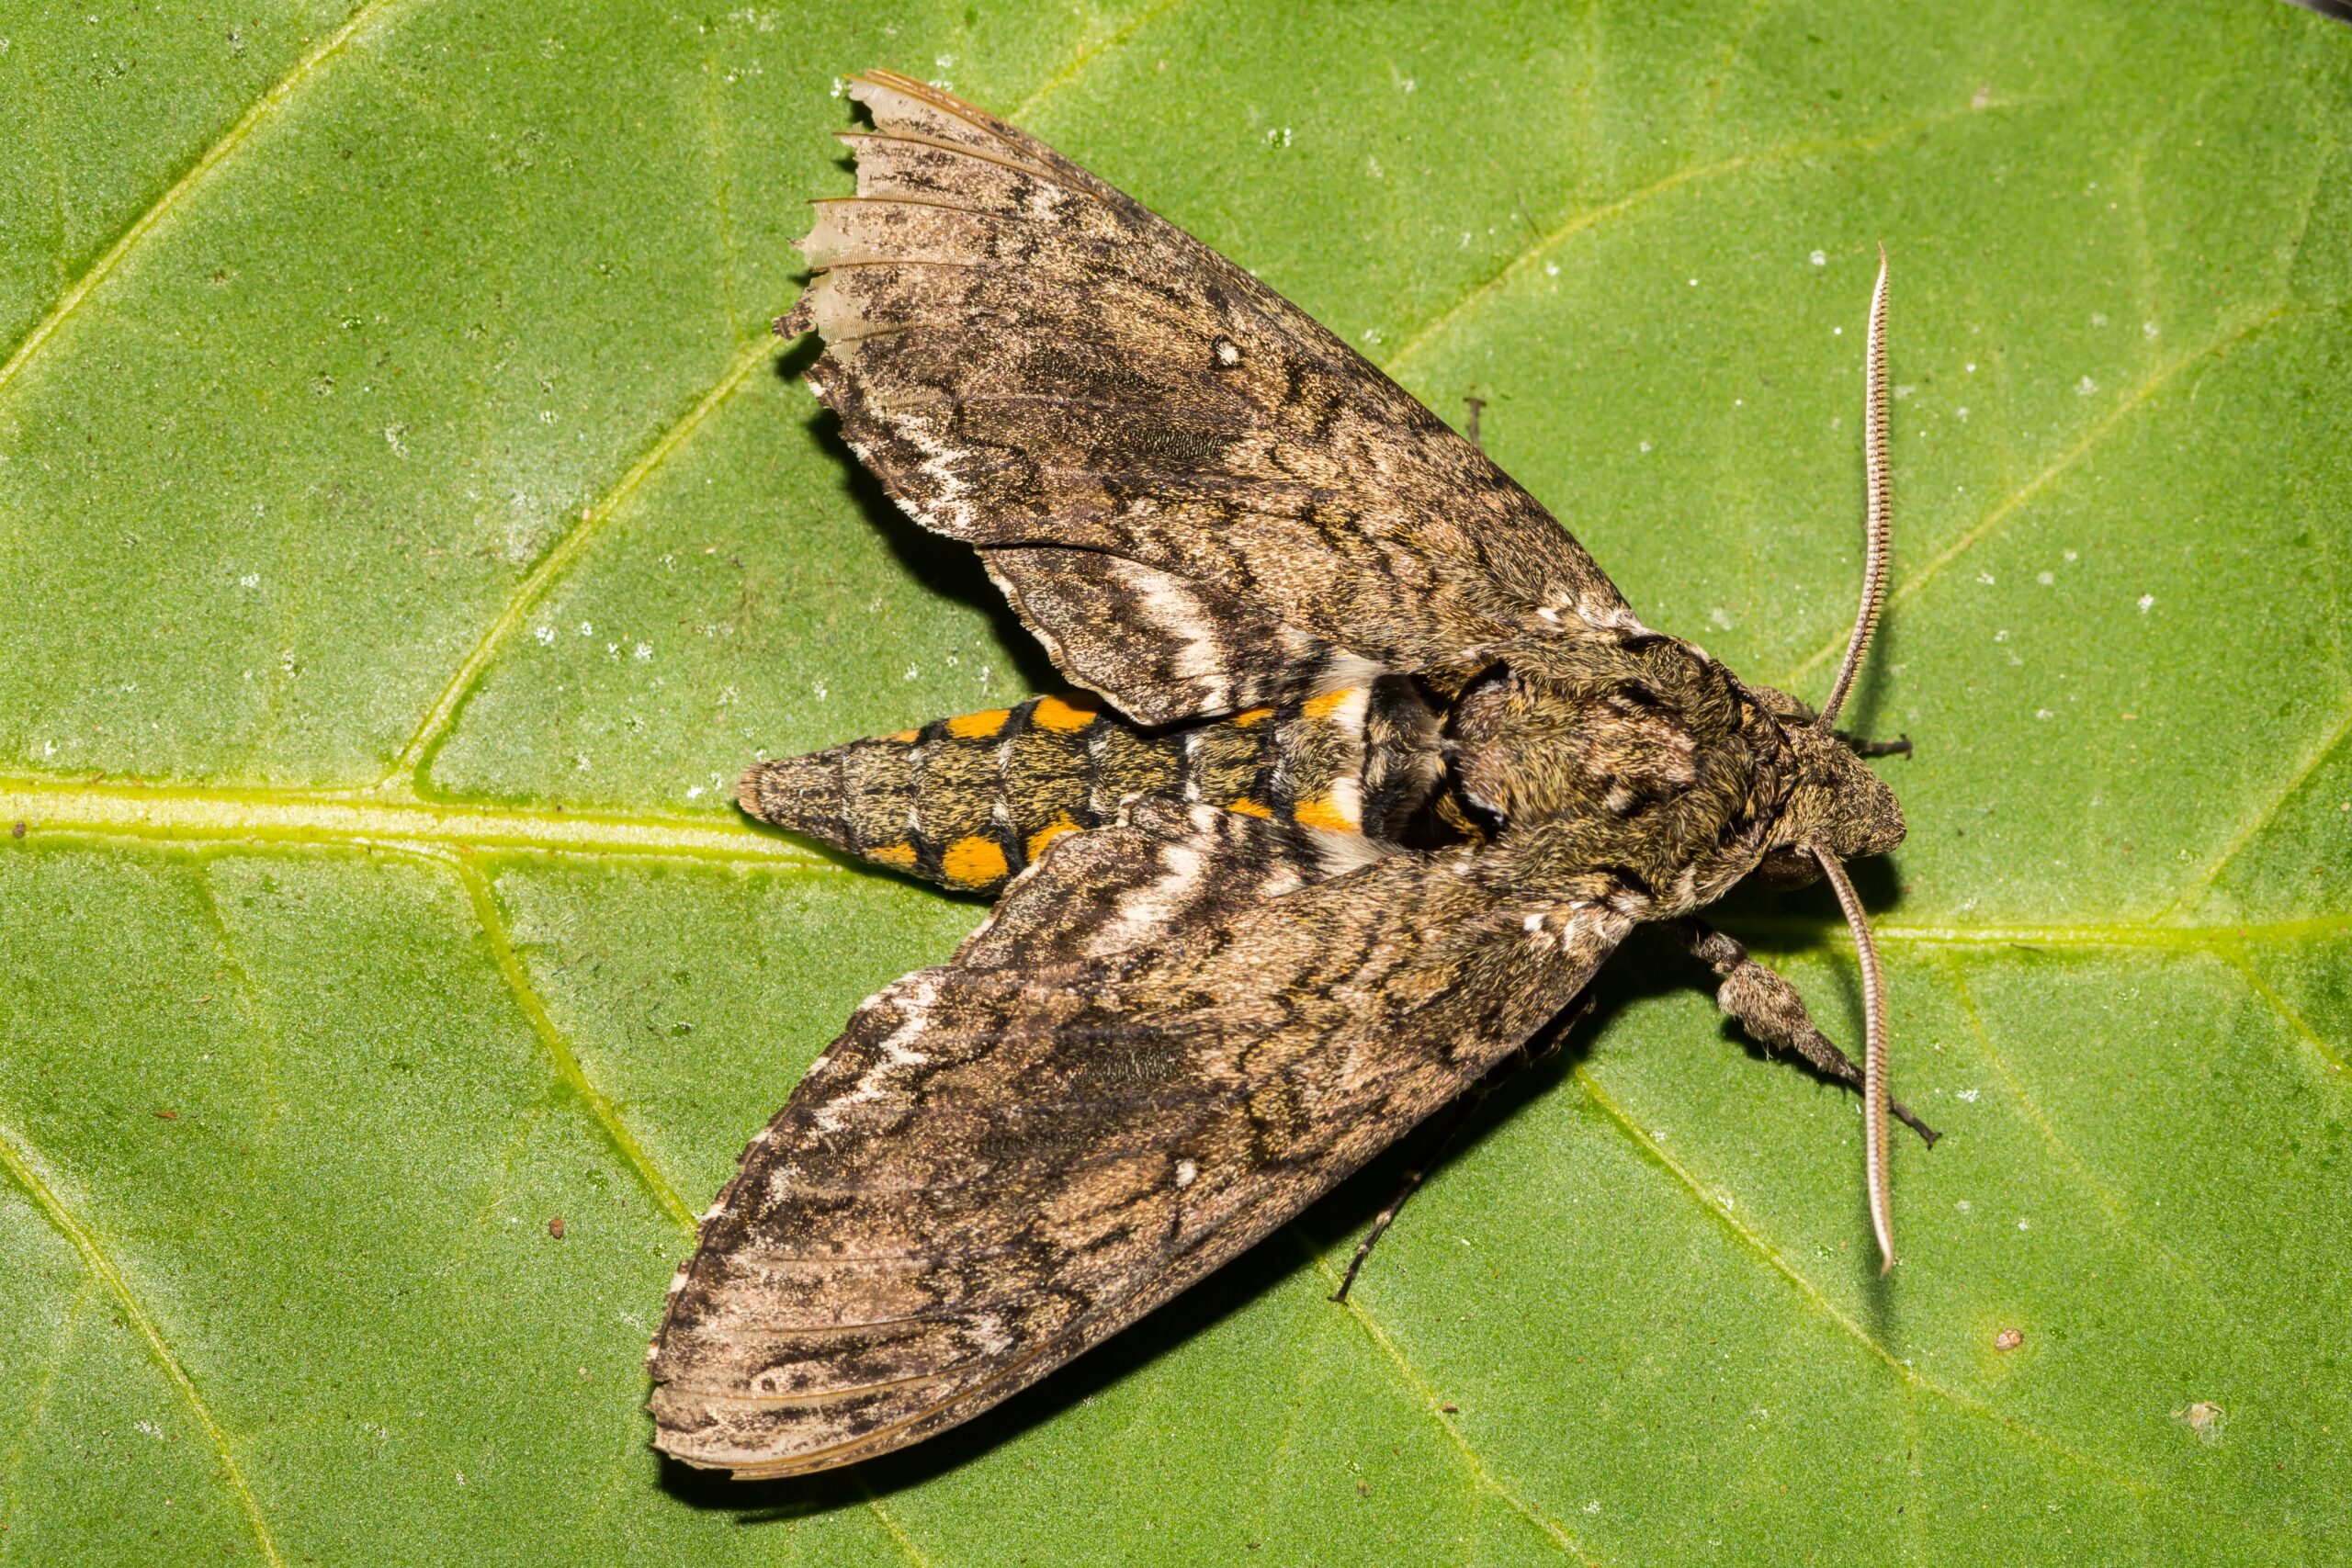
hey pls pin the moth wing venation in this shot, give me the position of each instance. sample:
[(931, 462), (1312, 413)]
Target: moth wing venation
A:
[(1034, 363), (1000, 1164)]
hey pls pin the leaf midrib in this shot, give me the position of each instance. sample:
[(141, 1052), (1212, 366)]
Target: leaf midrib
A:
[(361, 820)]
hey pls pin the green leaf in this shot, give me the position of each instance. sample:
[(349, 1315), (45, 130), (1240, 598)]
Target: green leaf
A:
[(409, 534)]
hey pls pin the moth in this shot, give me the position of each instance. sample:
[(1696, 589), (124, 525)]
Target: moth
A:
[(1369, 769)]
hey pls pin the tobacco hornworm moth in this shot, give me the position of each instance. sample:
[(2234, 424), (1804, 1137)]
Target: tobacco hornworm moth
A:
[(1382, 768)]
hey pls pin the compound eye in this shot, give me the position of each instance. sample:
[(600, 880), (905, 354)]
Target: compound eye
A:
[(1788, 867)]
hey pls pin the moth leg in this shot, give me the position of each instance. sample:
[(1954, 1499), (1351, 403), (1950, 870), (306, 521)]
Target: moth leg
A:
[(1769, 1008), (1471, 429), (1898, 747), (1541, 1046)]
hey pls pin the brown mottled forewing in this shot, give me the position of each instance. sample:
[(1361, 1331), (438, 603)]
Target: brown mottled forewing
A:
[(1195, 496), (1005, 1160)]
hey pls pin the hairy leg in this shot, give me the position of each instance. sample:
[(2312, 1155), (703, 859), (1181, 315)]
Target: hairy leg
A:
[(1769, 1008)]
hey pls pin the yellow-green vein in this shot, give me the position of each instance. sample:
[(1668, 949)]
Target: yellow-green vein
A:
[(2233, 954), (105, 266), (1812, 1293), (1578, 222), (2221, 344), (408, 767), (2065, 1154), (1086, 56), (2251, 827), (567, 1066), (93, 1257), (1485, 1478), (260, 817)]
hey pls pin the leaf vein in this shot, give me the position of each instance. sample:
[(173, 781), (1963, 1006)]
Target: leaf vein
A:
[(1578, 222), (2219, 344), (1811, 1294), (1086, 56), (2064, 1152), (18, 1163), (145, 224), (408, 767), (567, 1064), (2262, 819), (1552, 1529)]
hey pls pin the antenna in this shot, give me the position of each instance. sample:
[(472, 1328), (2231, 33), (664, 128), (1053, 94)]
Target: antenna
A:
[(1882, 500), (1873, 1055)]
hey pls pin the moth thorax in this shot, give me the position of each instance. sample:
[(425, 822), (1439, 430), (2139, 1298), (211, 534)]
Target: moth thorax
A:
[(1527, 748)]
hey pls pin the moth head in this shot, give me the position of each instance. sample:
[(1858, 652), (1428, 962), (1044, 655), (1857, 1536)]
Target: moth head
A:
[(1836, 803)]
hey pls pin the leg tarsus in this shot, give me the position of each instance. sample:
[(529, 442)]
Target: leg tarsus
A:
[(1471, 430), (1898, 747), (1537, 1049), (1773, 1014)]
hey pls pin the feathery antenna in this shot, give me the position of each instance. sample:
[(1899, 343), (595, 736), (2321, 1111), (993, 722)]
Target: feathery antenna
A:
[(1882, 500), (1873, 1055)]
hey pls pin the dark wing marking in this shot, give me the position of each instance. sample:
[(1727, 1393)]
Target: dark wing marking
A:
[(1194, 493), (995, 1167)]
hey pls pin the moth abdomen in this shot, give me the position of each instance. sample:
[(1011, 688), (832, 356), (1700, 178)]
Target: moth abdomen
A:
[(969, 802), (966, 801)]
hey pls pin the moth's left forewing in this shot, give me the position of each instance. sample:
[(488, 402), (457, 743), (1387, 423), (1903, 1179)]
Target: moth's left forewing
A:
[(1036, 363), (997, 1164)]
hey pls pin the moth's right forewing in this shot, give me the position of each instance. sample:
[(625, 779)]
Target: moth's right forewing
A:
[(1034, 363), (998, 1165)]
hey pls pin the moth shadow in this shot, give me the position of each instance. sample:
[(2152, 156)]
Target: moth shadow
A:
[(945, 567)]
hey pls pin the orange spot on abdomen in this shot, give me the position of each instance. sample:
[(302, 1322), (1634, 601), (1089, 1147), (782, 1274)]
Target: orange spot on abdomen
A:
[(1330, 703), (973, 862), (976, 726), (1048, 833), (1325, 813), (1065, 715)]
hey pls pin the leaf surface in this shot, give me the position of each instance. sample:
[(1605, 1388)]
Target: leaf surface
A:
[(410, 529)]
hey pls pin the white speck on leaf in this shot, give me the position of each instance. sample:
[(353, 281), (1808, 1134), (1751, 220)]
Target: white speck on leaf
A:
[(1968, 1096), (2086, 387), (1819, 258), (2147, 602)]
